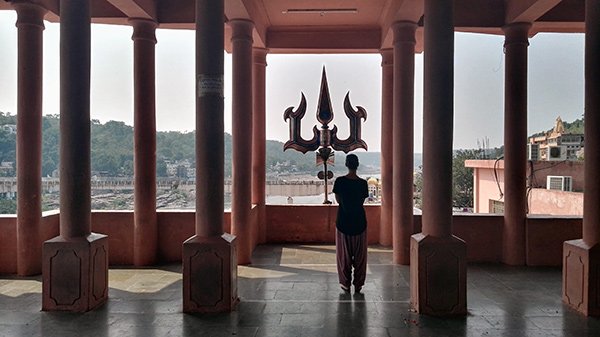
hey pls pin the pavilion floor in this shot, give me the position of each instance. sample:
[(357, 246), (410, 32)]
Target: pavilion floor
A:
[(292, 290)]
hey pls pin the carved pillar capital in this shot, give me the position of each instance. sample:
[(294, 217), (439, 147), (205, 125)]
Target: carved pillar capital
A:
[(143, 29), (516, 33), (29, 14), (387, 57), (259, 56), (241, 29), (404, 32)]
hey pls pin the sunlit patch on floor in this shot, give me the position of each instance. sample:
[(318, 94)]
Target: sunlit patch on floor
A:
[(141, 280), (259, 273), (16, 288)]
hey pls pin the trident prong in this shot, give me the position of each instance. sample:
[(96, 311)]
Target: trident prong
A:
[(353, 141), (296, 141)]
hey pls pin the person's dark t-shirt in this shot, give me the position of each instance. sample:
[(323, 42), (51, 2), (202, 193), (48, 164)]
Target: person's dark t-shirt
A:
[(351, 194)]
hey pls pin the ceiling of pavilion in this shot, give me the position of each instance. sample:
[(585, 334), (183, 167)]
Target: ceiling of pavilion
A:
[(292, 26)]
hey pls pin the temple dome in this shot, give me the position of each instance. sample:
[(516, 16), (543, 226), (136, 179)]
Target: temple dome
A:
[(373, 181)]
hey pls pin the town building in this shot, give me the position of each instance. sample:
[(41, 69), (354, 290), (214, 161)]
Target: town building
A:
[(555, 145), (374, 186), (553, 188)]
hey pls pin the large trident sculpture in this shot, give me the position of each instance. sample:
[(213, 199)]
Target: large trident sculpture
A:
[(325, 139)]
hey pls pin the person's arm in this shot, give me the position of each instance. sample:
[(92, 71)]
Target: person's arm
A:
[(336, 190)]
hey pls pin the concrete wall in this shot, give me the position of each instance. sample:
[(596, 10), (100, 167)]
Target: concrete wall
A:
[(560, 203), (174, 227), (118, 225), (8, 244), (304, 224), (312, 223), (545, 237), (483, 235), (542, 169)]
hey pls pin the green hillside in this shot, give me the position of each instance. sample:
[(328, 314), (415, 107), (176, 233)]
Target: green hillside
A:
[(575, 127), (112, 149)]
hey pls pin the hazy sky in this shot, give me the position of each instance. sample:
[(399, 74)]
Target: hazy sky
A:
[(555, 82)]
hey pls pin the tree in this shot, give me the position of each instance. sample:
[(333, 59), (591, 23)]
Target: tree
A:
[(462, 178), (50, 144), (8, 206), (418, 181), (8, 146), (161, 168)]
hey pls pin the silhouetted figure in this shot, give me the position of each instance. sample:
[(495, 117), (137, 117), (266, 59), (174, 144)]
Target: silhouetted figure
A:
[(351, 223)]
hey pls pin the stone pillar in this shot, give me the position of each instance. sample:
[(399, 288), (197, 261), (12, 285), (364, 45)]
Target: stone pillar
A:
[(387, 120), (209, 257), (403, 138), (30, 27), (259, 171), (241, 115), (145, 230), (75, 264), (515, 137), (581, 258), (438, 273)]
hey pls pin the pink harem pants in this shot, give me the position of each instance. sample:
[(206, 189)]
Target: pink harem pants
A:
[(351, 251)]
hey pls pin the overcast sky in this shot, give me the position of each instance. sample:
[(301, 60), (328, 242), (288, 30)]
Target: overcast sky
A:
[(555, 82)]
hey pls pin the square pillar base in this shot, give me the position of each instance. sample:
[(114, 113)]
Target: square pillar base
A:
[(210, 274), (75, 273), (438, 275), (581, 277)]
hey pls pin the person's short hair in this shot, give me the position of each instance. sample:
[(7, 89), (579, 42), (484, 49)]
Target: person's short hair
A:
[(352, 161)]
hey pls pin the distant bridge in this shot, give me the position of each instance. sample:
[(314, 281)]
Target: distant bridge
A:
[(8, 186)]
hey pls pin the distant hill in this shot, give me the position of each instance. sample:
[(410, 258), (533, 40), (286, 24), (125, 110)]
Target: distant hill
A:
[(369, 161), (112, 150), (576, 127)]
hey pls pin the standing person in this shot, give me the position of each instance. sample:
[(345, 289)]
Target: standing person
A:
[(351, 224)]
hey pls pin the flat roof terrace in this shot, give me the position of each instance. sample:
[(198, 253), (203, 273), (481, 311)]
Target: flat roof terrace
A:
[(292, 290)]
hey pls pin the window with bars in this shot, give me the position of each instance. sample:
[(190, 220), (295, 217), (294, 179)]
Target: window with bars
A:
[(496, 206)]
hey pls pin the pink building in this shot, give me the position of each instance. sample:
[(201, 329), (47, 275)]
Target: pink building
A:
[(565, 197)]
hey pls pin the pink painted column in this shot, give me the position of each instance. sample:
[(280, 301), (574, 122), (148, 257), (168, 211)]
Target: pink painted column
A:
[(259, 170), (75, 264), (241, 114), (515, 134), (145, 230), (403, 138), (209, 257), (438, 273), (387, 120), (30, 26), (581, 258)]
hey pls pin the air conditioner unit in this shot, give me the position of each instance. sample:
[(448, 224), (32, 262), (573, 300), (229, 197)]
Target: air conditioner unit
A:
[(559, 183), (557, 153), (533, 151)]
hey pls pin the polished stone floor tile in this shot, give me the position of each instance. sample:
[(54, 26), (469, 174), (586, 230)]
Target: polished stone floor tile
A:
[(293, 290)]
